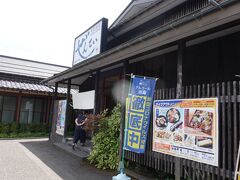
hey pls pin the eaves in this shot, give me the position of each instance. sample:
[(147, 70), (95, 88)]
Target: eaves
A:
[(185, 27)]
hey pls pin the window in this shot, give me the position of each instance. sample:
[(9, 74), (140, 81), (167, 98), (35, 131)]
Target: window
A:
[(38, 111), (8, 107), (31, 110), (26, 112)]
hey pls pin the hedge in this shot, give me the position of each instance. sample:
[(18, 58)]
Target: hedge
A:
[(23, 130)]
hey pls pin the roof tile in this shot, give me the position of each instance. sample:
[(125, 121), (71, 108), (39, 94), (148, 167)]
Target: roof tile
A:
[(31, 87)]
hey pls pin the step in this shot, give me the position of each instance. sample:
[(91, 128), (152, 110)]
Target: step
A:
[(80, 152)]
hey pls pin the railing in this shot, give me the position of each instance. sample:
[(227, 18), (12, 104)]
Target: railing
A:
[(229, 133)]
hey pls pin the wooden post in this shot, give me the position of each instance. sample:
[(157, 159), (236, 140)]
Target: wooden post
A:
[(51, 121), (56, 91), (181, 48), (122, 122), (180, 56), (18, 108), (79, 88), (67, 116), (46, 114), (96, 103)]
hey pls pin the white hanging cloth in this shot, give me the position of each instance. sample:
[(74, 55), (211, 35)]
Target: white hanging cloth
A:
[(83, 100)]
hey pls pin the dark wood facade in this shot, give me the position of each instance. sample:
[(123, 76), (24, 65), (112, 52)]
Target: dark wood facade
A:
[(193, 48)]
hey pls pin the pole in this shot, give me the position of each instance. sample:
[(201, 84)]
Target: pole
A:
[(181, 49), (67, 108), (122, 175), (51, 121), (96, 98), (122, 123)]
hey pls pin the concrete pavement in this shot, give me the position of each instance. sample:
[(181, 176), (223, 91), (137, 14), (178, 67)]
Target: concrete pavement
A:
[(38, 159)]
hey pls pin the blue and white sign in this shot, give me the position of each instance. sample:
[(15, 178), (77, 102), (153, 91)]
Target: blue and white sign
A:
[(61, 114), (138, 104), (89, 43)]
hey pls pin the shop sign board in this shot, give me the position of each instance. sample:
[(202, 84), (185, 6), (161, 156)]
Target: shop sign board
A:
[(187, 128), (91, 42)]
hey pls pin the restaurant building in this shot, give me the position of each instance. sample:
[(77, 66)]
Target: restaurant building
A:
[(192, 47), (23, 98)]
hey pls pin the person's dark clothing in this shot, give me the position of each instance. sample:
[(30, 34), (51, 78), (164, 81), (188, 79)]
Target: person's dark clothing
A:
[(81, 118), (79, 133)]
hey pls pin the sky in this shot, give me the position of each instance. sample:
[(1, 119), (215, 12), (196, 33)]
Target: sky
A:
[(44, 30)]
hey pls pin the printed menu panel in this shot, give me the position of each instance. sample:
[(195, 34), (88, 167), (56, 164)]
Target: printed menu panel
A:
[(187, 128)]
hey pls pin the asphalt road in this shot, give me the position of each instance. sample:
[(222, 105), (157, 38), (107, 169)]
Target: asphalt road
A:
[(38, 159)]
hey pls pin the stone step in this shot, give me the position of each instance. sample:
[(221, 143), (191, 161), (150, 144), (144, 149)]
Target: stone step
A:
[(86, 148), (80, 152)]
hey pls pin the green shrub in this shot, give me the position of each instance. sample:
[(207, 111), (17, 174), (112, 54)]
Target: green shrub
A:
[(4, 135), (5, 128), (15, 130), (1, 128), (33, 128), (22, 128), (106, 141), (14, 127), (36, 128), (46, 128)]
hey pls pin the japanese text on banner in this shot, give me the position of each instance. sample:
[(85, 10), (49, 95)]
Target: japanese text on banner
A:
[(138, 109)]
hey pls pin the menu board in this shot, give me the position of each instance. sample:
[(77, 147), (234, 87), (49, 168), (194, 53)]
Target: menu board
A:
[(187, 128)]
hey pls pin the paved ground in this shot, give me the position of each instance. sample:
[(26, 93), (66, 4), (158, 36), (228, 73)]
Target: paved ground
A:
[(39, 159)]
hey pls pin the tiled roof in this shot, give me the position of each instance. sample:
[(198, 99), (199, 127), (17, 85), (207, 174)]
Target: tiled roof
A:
[(31, 87)]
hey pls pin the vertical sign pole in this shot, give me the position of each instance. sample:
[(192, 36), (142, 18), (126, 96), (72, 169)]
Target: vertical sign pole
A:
[(180, 56), (122, 123), (236, 176)]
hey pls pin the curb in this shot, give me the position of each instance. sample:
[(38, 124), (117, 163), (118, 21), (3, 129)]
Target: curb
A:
[(24, 138), (136, 176)]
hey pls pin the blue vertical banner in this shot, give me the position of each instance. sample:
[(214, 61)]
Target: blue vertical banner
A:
[(138, 110)]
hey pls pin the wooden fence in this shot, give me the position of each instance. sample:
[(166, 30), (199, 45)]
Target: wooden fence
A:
[(228, 94)]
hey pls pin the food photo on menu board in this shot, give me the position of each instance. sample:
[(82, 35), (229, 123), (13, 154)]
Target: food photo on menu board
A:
[(170, 124), (186, 128), (199, 120)]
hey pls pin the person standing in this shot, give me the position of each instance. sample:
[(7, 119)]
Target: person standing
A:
[(79, 132)]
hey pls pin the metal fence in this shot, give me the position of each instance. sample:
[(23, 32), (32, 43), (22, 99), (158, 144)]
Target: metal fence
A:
[(228, 94)]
